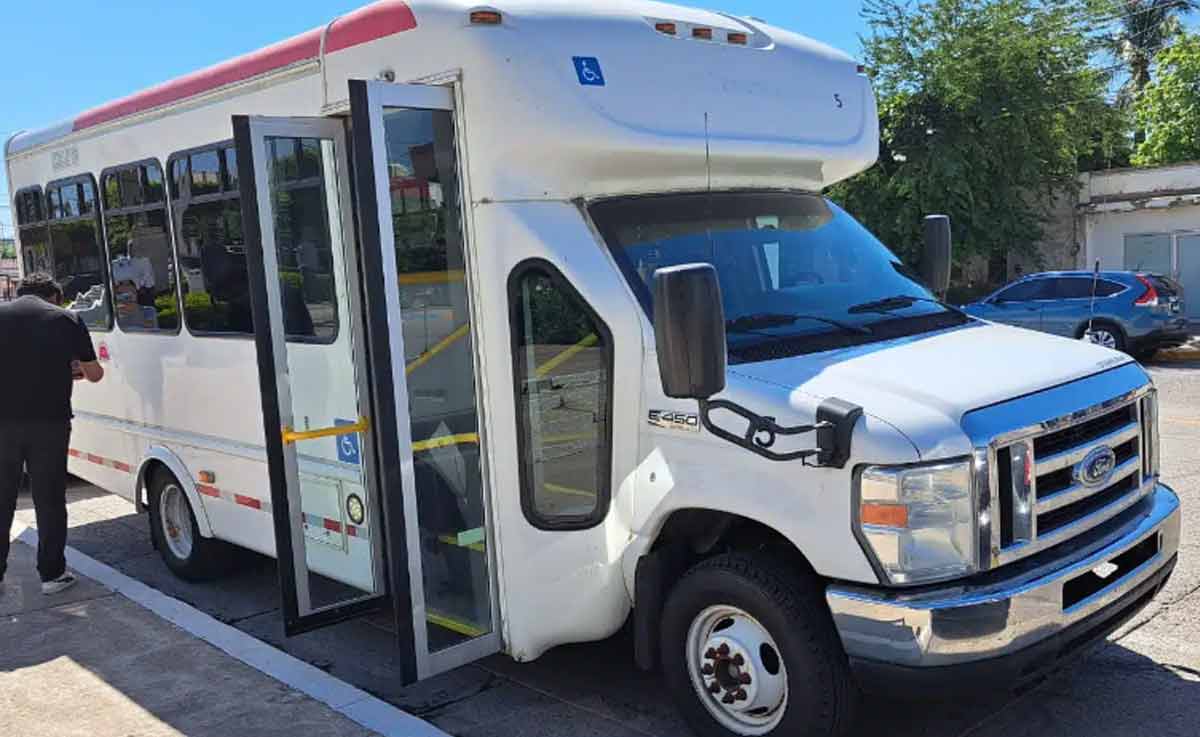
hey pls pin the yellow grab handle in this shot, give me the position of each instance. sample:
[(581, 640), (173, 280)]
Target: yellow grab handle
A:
[(291, 436)]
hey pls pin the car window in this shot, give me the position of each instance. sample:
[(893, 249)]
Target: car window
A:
[(1107, 288), (1074, 288), (1027, 290)]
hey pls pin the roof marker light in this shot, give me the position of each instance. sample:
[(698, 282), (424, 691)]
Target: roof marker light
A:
[(702, 33), (486, 18), (738, 39), (667, 28)]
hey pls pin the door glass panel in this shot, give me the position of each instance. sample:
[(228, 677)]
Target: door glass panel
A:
[(339, 529), (440, 366), (1189, 274), (1148, 253)]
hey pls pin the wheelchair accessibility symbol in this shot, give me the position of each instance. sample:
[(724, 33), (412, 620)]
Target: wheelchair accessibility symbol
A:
[(588, 69), (348, 449)]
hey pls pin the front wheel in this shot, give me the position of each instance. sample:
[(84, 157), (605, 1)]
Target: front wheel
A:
[(177, 536), (749, 649)]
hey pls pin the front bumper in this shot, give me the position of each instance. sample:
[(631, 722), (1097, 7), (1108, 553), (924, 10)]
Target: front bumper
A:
[(1013, 627)]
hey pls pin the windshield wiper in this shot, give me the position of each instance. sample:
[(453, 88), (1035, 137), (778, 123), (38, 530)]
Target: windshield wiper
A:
[(898, 302), (755, 323)]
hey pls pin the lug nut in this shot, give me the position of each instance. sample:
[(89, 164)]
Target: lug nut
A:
[(745, 679), (723, 650), (714, 688), (707, 669), (738, 660), (728, 699), (741, 695), (710, 654)]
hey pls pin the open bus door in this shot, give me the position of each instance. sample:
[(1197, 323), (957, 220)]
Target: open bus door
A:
[(373, 426)]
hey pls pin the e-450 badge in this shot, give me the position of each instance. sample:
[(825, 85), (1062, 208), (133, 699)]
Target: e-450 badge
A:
[(667, 420)]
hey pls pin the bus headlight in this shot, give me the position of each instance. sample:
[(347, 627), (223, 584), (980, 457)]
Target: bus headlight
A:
[(919, 523)]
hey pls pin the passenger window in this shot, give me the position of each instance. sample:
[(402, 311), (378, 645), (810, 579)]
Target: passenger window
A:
[(33, 232), (303, 243), (212, 253), (1027, 291), (1108, 288), (79, 260), (1075, 288), (142, 266), (562, 358)]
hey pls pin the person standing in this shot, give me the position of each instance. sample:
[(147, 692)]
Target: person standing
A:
[(44, 349)]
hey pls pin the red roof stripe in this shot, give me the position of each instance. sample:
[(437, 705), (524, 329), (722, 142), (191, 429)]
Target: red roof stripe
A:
[(361, 26)]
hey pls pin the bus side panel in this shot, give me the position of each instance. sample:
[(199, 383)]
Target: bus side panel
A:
[(103, 455)]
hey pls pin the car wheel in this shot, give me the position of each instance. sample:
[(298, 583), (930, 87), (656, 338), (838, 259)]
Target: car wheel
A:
[(749, 649), (177, 536), (1106, 334)]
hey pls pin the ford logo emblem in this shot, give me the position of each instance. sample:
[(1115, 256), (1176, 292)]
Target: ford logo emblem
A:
[(1097, 467)]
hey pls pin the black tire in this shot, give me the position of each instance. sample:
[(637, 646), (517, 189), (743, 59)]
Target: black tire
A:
[(209, 558), (1119, 340), (821, 695)]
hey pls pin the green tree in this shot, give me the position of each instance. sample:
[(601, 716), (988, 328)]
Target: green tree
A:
[(1146, 26), (1169, 108), (987, 108)]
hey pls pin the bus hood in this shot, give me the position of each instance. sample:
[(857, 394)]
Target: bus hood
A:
[(924, 385)]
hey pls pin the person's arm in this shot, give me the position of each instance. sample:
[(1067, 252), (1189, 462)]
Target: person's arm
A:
[(85, 357)]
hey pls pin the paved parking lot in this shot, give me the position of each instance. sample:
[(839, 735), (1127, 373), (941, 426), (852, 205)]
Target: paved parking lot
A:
[(1145, 681)]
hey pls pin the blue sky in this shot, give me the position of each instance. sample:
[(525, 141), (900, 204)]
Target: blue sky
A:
[(71, 55)]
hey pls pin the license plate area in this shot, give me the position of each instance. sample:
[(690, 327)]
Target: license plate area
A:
[(1109, 574)]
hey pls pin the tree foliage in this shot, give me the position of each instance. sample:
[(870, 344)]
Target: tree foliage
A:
[(1144, 28), (1169, 108), (987, 108)]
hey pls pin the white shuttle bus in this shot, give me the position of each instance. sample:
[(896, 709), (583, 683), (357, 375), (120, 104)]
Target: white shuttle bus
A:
[(527, 319)]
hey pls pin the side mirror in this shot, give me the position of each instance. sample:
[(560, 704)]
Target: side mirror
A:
[(939, 251), (689, 327)]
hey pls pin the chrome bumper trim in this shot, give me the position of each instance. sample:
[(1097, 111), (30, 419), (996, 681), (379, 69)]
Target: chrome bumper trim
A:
[(955, 624)]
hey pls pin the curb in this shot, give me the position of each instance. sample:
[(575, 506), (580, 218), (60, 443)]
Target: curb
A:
[(352, 703)]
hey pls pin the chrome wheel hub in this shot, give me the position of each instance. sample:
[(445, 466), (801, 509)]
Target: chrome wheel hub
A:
[(176, 519), (1102, 337), (737, 670)]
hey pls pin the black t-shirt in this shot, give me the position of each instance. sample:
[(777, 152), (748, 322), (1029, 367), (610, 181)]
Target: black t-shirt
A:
[(38, 342)]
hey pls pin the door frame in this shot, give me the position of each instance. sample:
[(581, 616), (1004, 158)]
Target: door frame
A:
[(368, 99), (250, 134)]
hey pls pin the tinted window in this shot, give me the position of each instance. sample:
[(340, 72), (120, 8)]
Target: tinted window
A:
[(212, 253), (79, 261), (562, 359), (1075, 288), (32, 232), (1028, 290), (1164, 286), (1107, 288), (303, 239), (139, 245)]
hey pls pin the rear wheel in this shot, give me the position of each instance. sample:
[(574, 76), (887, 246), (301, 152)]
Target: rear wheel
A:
[(749, 649), (1106, 334), (177, 536)]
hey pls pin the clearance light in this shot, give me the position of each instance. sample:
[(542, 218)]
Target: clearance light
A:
[(702, 33), (738, 39), (667, 28), (486, 18), (208, 477)]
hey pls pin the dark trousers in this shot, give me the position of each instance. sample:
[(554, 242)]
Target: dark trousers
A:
[(40, 448)]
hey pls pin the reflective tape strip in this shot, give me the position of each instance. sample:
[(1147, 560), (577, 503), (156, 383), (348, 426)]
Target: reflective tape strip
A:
[(333, 525), (99, 460)]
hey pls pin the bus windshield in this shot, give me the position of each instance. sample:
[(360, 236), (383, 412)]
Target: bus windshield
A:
[(797, 273)]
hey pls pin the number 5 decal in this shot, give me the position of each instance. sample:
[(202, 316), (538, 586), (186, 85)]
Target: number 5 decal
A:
[(837, 98)]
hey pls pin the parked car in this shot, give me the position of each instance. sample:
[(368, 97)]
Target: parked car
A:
[(1135, 312)]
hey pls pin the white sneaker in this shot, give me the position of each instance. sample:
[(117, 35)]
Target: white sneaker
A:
[(60, 584)]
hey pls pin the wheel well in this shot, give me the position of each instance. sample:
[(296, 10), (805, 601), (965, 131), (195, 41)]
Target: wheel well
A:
[(150, 470), (686, 538)]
